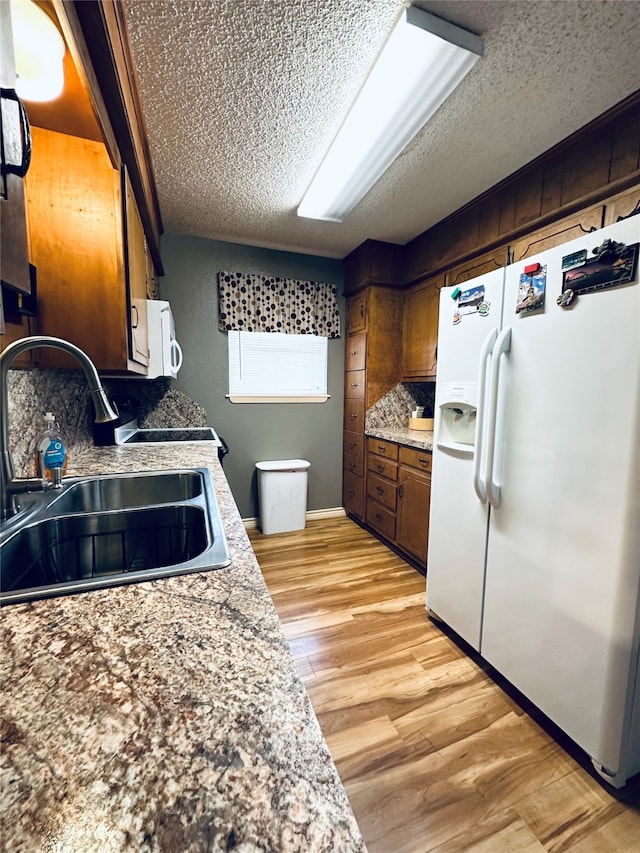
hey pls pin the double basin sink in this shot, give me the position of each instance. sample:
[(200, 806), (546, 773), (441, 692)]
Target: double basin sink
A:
[(104, 531)]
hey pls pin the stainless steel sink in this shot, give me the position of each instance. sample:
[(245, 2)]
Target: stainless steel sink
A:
[(125, 491), (107, 531)]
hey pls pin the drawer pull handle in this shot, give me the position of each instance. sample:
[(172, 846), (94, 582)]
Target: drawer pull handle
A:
[(379, 490), (382, 448), (380, 468), (378, 517), (423, 461), (352, 444), (353, 416), (352, 465), (354, 352), (354, 384)]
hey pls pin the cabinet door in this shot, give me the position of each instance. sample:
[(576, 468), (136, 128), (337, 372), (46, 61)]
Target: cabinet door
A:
[(412, 517), (14, 138), (357, 313), (136, 278), (558, 233), (480, 265), (79, 233), (420, 330)]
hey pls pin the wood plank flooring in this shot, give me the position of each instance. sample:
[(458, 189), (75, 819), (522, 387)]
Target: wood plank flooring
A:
[(435, 757)]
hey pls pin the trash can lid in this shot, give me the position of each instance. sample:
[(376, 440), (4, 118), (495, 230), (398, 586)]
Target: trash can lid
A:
[(284, 465)]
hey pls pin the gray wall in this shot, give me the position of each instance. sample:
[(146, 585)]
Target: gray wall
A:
[(253, 431)]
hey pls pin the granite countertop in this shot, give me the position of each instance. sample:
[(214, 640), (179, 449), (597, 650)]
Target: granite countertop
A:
[(166, 715), (422, 439)]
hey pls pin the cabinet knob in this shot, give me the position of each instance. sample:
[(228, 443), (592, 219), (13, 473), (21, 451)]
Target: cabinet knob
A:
[(353, 416), (354, 384), (378, 516), (352, 444), (352, 465), (354, 352)]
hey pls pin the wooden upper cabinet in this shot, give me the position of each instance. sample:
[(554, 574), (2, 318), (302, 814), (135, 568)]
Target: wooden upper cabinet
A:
[(373, 263), (621, 206), (477, 266), (558, 233), (87, 272), (420, 330), (14, 138)]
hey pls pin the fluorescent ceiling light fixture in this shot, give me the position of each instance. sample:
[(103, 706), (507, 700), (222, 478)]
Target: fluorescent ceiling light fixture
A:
[(421, 63), (39, 52)]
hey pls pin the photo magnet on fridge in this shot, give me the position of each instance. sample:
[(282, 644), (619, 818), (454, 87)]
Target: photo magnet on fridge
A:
[(531, 291)]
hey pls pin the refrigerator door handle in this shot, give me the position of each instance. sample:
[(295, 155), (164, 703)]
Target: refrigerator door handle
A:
[(479, 481), (502, 346)]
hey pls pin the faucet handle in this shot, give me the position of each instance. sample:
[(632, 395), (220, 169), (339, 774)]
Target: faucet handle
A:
[(56, 478)]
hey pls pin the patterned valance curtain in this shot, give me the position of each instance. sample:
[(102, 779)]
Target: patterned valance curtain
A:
[(255, 303)]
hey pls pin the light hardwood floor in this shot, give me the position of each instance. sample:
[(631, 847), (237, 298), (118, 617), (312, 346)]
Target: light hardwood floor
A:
[(433, 754)]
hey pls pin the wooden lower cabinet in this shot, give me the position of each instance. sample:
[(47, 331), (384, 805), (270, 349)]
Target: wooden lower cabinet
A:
[(412, 516), (397, 497)]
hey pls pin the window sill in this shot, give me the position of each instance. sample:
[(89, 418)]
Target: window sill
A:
[(236, 398)]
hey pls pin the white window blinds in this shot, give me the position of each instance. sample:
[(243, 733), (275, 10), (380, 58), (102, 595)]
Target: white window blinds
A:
[(275, 367)]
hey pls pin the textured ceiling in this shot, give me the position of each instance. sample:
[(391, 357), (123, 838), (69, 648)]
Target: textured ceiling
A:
[(243, 97)]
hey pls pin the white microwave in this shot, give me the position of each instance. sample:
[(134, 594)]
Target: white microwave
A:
[(165, 355)]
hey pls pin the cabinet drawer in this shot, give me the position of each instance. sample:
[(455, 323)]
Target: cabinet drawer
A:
[(354, 382), (382, 448), (353, 442), (354, 415), (355, 464), (420, 459), (383, 467), (382, 491), (353, 494), (381, 519), (355, 357)]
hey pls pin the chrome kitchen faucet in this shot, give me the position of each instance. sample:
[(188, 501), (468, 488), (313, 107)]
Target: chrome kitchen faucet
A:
[(10, 485)]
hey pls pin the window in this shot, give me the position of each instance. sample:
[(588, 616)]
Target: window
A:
[(277, 368)]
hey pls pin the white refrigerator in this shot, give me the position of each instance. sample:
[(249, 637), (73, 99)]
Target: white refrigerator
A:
[(534, 538)]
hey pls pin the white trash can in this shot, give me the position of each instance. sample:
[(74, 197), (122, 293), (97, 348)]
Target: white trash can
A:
[(282, 494)]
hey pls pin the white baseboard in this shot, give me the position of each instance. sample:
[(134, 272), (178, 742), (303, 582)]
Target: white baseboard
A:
[(311, 515)]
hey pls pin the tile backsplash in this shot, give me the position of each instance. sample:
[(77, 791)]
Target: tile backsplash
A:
[(394, 408), (31, 393)]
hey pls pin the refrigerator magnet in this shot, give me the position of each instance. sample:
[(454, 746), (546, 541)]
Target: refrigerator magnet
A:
[(531, 291), (471, 299)]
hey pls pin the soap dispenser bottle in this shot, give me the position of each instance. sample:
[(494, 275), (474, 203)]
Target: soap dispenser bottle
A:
[(50, 449)]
